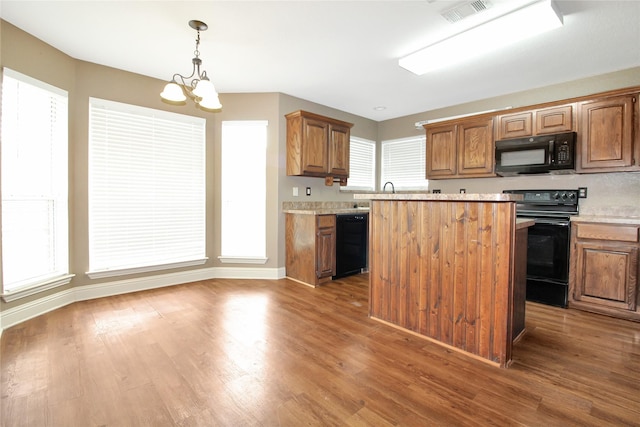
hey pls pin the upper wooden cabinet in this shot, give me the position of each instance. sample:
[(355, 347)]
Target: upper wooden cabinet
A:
[(606, 135), (339, 136), (317, 146), (541, 121), (461, 149), (442, 151)]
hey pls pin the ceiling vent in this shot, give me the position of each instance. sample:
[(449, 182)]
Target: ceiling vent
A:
[(460, 12)]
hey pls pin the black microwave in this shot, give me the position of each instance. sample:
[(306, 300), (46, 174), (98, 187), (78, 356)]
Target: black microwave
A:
[(536, 154)]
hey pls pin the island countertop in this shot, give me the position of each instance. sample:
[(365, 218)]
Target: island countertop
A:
[(454, 197)]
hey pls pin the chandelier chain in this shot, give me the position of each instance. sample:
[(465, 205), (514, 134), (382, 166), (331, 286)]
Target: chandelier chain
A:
[(197, 51)]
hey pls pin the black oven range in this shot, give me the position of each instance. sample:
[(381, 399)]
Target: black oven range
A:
[(548, 242)]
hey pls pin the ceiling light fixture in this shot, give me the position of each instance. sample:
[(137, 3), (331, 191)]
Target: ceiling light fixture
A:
[(520, 24), (200, 88)]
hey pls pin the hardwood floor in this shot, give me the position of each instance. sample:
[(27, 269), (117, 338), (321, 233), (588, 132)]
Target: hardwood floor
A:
[(277, 353)]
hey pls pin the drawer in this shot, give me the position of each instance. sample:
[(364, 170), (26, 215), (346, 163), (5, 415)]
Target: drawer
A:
[(621, 233), (325, 221)]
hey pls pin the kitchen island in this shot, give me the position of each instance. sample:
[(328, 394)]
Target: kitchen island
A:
[(446, 267)]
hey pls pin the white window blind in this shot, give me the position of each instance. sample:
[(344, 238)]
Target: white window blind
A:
[(146, 188), (34, 182), (244, 148), (362, 165), (404, 163)]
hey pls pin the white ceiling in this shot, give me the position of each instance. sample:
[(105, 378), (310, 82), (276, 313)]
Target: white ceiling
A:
[(343, 54)]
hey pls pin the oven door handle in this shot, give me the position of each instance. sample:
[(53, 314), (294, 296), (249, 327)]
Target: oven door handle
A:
[(552, 221)]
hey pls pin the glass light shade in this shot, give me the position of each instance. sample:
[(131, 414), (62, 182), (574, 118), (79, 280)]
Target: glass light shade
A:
[(173, 92), (211, 103), (205, 89)]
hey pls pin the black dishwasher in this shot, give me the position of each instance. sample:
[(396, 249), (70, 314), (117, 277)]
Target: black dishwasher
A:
[(352, 234)]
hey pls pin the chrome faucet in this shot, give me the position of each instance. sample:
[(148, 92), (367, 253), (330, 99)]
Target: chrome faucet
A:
[(384, 188)]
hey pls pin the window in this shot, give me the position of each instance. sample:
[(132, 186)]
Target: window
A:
[(244, 197), (146, 189), (404, 163), (362, 165), (35, 242)]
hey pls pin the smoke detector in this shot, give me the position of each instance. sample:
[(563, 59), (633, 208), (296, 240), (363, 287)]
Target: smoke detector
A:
[(464, 10)]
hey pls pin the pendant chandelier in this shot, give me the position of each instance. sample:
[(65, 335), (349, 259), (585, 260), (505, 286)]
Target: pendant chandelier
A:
[(197, 86)]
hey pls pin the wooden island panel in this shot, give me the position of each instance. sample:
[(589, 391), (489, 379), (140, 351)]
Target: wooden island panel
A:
[(444, 270)]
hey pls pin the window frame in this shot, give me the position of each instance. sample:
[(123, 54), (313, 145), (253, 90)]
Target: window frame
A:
[(58, 183), (256, 210), (417, 183), (159, 141)]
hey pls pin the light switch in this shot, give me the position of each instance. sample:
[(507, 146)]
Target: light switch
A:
[(295, 191)]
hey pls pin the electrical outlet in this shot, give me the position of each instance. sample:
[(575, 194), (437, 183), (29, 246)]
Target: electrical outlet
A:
[(308, 191), (436, 191), (463, 190), (295, 191), (582, 192)]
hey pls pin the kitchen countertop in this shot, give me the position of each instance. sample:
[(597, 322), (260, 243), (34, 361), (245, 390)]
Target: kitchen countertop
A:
[(326, 211), (442, 197), (606, 219), (609, 214), (325, 208), (624, 214)]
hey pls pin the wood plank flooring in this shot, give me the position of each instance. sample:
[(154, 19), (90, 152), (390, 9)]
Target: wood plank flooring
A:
[(277, 353)]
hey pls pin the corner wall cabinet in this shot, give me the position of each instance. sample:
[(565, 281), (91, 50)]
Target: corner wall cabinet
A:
[(556, 119), (606, 135), (604, 270), (310, 243), (318, 146), (460, 149)]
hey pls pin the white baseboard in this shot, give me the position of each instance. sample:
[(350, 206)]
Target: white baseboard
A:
[(250, 273), (26, 311), (35, 308)]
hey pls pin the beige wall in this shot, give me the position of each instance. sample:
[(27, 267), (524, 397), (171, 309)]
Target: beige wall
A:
[(82, 80), (404, 126), (362, 128), (26, 54), (611, 189)]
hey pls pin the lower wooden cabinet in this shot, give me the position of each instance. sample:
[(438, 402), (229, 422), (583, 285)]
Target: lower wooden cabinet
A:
[(604, 270), (310, 247), (325, 246)]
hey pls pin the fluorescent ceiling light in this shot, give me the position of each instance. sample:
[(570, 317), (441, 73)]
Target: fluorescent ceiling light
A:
[(508, 29)]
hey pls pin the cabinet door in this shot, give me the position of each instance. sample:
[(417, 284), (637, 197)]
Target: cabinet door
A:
[(475, 148), (606, 274), (339, 151), (515, 125), (314, 147), (325, 246), (554, 120), (441, 151), (325, 264), (536, 122), (606, 134)]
